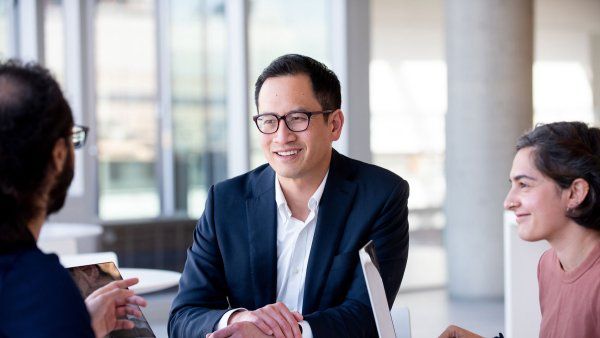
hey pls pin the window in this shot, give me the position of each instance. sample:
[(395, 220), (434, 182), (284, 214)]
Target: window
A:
[(408, 100), (5, 8), (282, 27), (125, 47), (54, 39), (198, 57)]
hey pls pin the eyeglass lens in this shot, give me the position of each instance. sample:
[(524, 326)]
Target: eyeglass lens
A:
[(295, 122), (79, 136)]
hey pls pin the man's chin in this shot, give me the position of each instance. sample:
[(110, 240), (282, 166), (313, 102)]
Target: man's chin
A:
[(286, 173)]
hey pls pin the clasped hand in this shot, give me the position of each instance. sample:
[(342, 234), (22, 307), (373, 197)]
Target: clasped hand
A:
[(109, 305), (272, 320)]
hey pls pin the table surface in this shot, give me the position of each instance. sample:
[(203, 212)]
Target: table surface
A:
[(151, 280)]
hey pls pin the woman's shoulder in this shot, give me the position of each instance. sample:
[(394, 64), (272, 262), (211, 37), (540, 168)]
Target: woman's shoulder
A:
[(35, 288), (28, 264), (31, 274), (546, 262)]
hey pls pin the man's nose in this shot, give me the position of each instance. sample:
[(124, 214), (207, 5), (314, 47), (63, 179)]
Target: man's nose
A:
[(283, 134)]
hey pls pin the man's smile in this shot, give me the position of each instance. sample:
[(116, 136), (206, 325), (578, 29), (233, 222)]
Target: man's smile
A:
[(287, 153)]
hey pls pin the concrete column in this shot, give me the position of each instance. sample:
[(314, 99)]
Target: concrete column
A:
[(350, 50), (238, 114), (30, 28), (80, 91), (489, 46), (595, 68)]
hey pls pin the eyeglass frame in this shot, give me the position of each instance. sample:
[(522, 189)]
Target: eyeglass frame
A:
[(75, 134), (309, 115)]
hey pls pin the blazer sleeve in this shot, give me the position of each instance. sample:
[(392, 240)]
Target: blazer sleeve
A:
[(354, 318), (202, 297)]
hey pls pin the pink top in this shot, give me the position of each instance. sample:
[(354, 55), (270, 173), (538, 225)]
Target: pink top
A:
[(570, 301)]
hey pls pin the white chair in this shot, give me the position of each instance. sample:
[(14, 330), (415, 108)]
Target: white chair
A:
[(69, 238), (88, 258)]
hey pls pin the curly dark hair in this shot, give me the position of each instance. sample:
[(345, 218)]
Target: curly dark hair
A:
[(325, 83), (565, 151), (33, 116)]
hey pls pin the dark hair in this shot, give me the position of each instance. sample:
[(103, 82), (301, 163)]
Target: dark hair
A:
[(33, 116), (565, 151), (325, 83)]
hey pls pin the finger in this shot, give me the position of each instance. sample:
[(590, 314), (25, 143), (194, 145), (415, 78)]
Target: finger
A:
[(115, 298), (121, 312), (281, 321), (137, 300), (288, 317), (450, 332), (225, 332), (262, 326), (298, 316), (125, 283), (119, 284), (133, 310), (270, 321), (124, 324), (100, 291), (118, 296)]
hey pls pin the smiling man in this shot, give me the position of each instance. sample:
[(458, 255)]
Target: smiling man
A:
[(276, 251)]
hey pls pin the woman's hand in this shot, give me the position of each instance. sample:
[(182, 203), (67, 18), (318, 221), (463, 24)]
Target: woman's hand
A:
[(458, 332), (110, 304)]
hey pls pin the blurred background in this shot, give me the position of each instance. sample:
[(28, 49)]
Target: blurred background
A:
[(436, 91)]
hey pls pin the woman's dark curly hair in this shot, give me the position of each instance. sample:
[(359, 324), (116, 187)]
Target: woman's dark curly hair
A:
[(33, 116), (565, 151)]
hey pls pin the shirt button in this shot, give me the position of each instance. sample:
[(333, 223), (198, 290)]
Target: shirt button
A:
[(296, 271)]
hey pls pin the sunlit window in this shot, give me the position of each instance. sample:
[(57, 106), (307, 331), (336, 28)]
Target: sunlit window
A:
[(283, 27), (4, 27), (198, 56), (54, 36), (408, 105), (126, 109), (561, 92)]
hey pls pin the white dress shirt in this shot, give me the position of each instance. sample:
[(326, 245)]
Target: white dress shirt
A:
[(294, 241)]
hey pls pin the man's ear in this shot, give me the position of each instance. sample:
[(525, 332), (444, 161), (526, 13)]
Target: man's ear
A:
[(577, 192), (336, 122), (59, 154)]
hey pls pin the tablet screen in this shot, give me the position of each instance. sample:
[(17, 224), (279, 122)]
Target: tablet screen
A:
[(89, 278)]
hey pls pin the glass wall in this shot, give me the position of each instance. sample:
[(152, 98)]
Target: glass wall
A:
[(408, 86), (566, 72), (160, 146), (281, 27), (5, 7), (408, 101), (54, 39), (198, 56), (126, 80)]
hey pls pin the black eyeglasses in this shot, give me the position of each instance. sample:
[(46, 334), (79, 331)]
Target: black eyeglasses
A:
[(79, 135), (296, 121)]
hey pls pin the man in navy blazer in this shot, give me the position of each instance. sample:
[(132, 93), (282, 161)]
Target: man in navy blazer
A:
[(276, 251)]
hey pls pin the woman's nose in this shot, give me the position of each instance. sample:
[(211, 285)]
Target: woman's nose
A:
[(510, 201)]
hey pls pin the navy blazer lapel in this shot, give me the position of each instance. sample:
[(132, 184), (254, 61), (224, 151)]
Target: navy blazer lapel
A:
[(333, 212), (261, 211)]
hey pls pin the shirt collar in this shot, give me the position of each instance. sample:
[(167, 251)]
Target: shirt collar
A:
[(313, 201)]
